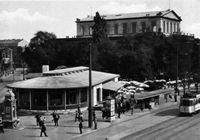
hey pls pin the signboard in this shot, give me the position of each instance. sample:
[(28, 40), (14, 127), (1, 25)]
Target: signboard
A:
[(112, 110), (8, 113)]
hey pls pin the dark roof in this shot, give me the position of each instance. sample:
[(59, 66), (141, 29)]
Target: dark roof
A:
[(66, 70), (10, 42), (113, 86), (131, 15), (155, 93), (33, 75), (74, 80)]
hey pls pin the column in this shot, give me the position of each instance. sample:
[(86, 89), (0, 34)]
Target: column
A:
[(101, 94), (47, 95), (18, 97), (30, 107), (79, 96), (65, 99)]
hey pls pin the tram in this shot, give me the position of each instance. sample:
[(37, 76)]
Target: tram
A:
[(190, 103)]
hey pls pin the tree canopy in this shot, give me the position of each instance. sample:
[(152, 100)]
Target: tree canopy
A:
[(144, 55)]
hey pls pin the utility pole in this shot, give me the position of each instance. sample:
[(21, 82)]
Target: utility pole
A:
[(90, 89), (177, 68)]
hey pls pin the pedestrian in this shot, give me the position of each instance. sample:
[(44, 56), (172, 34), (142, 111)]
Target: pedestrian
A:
[(76, 116), (57, 117), (81, 116), (53, 115), (119, 109), (80, 126), (123, 106), (95, 120), (37, 117), (127, 105), (132, 104), (103, 113), (43, 129), (175, 96), (1, 126)]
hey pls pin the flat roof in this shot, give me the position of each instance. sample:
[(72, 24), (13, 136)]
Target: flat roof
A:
[(113, 86), (74, 80), (155, 93), (67, 70)]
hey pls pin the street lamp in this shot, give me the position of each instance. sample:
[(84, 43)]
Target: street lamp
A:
[(177, 57), (90, 89)]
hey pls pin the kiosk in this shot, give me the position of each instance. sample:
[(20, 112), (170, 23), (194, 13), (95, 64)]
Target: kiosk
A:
[(10, 112)]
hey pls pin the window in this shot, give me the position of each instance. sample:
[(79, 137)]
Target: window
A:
[(167, 27), (82, 30), (116, 29), (170, 27), (83, 95), (143, 26), (134, 27), (24, 98), (71, 96), (175, 28), (153, 26), (55, 97), (124, 28), (108, 28), (163, 26), (90, 30), (178, 27), (98, 94)]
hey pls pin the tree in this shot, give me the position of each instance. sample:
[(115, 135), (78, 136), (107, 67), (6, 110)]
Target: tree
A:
[(99, 28), (39, 53)]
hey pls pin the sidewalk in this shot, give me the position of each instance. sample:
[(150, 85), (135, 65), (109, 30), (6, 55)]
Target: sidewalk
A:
[(121, 127), (68, 128)]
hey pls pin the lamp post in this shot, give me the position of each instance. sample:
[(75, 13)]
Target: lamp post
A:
[(90, 89), (177, 69)]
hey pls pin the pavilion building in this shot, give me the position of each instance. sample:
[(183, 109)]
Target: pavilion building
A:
[(61, 89)]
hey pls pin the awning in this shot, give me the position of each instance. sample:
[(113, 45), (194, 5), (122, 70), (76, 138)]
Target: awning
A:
[(151, 94), (113, 86)]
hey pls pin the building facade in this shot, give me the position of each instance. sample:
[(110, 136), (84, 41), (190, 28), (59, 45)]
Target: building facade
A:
[(61, 89), (16, 46), (167, 22)]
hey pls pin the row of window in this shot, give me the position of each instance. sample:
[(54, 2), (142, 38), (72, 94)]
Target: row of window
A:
[(55, 97), (125, 27)]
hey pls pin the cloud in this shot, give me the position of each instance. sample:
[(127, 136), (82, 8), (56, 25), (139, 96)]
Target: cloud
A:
[(23, 24), (23, 14), (117, 7)]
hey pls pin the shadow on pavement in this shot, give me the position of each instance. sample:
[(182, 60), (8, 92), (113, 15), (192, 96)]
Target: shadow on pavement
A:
[(169, 112), (31, 136), (73, 132)]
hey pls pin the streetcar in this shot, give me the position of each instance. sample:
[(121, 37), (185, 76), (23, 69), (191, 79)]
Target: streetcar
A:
[(190, 103)]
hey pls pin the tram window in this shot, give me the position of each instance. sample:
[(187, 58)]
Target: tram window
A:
[(186, 103)]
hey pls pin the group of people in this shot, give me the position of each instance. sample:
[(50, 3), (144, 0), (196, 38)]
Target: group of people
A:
[(79, 117), (41, 122), (124, 105)]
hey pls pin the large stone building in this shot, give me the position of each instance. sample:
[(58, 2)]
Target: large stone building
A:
[(11, 49), (167, 22)]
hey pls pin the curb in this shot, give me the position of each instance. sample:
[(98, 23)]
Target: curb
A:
[(115, 123)]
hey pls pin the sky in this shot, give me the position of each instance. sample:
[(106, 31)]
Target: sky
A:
[(22, 19)]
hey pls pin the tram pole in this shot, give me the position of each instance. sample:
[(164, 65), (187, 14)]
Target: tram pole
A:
[(90, 89)]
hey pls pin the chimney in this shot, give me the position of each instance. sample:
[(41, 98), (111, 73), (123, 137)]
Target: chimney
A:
[(45, 68)]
